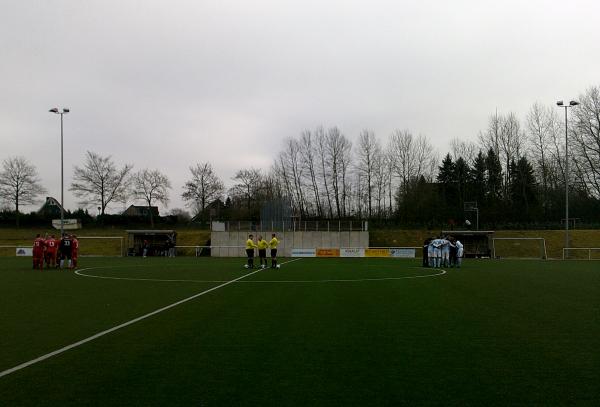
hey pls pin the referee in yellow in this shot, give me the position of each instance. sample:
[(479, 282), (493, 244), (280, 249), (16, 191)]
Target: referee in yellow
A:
[(262, 251), (250, 246), (273, 244)]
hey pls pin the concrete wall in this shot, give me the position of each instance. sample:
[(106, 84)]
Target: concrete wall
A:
[(232, 244)]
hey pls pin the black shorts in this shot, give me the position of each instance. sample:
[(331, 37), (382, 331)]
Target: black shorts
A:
[(65, 254), (250, 253), (262, 253), (273, 252)]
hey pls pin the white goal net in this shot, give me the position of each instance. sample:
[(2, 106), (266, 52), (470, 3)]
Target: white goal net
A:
[(519, 248), (581, 253)]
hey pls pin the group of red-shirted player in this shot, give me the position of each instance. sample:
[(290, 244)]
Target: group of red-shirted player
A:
[(55, 253)]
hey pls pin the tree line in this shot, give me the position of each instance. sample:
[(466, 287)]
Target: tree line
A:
[(515, 171)]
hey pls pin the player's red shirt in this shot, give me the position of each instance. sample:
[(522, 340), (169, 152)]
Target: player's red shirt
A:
[(75, 246), (51, 245), (38, 245)]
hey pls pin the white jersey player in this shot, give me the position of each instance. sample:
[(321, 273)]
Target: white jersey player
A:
[(445, 248), (437, 252), (459, 252)]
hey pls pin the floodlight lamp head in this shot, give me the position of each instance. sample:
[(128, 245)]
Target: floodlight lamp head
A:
[(573, 103), (53, 110), (66, 110), (559, 103)]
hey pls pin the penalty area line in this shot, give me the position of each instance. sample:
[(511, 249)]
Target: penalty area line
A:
[(123, 325)]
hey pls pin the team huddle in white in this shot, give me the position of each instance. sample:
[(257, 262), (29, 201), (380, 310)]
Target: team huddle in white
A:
[(443, 252)]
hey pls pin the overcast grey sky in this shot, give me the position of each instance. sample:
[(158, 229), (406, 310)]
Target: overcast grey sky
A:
[(167, 84)]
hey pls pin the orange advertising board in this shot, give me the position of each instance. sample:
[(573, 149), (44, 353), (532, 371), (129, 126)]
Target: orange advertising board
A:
[(377, 253), (328, 252)]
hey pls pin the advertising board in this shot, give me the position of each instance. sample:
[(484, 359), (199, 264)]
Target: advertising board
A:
[(328, 252), (24, 251), (406, 253), (352, 252), (304, 252), (377, 252)]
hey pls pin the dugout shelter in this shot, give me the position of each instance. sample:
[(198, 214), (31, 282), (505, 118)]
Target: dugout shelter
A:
[(477, 243), (158, 241)]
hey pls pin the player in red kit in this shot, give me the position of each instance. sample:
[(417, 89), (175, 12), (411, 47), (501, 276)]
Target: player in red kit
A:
[(38, 252), (74, 251), (51, 248)]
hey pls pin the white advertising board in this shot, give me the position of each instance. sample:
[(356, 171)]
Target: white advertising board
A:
[(352, 252), (68, 224), (24, 251), (304, 252), (407, 253)]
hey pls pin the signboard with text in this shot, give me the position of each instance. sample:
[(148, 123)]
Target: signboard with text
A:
[(304, 252), (377, 252), (328, 252), (352, 252)]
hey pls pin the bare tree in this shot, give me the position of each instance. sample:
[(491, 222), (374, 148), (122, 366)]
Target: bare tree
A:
[(490, 139), (542, 132), (511, 145), (466, 149), (369, 155), (204, 187), (151, 186), (505, 137), (19, 183), (247, 187), (380, 179), (586, 135), (337, 152), (324, 165), (412, 157), (99, 182), (309, 162), (291, 158)]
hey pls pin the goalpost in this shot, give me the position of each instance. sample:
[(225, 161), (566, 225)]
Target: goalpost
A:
[(581, 253), (519, 248)]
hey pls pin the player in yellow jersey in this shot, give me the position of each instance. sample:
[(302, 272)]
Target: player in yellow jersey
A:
[(250, 246), (262, 251), (273, 244)]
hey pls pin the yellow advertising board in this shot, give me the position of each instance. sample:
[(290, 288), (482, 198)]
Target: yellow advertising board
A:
[(328, 252), (377, 252)]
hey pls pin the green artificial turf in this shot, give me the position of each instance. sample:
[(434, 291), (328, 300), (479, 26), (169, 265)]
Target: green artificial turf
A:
[(493, 333)]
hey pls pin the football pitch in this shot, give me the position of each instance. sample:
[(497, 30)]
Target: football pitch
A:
[(317, 332)]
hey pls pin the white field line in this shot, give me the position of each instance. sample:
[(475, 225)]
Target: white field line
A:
[(80, 273), (442, 272), (123, 325)]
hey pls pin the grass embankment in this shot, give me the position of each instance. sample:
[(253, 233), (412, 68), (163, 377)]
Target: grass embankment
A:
[(555, 239), (106, 247)]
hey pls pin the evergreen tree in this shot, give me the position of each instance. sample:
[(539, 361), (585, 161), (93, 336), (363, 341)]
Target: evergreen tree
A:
[(494, 176), (477, 178), (523, 189), (447, 185), (461, 177), (493, 186)]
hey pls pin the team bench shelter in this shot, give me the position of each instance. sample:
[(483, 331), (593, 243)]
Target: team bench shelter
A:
[(158, 241), (477, 243)]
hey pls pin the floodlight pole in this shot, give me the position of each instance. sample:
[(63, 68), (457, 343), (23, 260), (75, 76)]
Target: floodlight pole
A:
[(62, 172), (571, 104)]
